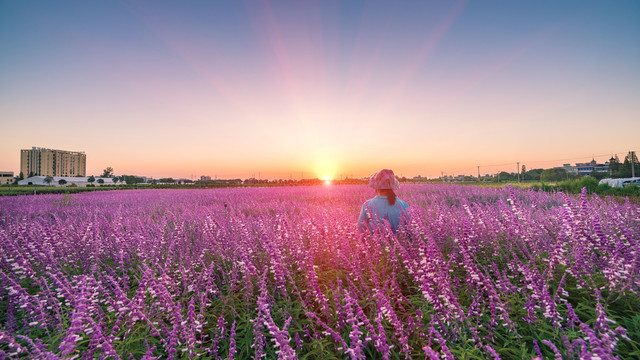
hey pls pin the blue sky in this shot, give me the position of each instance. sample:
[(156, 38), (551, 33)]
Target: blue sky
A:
[(279, 87)]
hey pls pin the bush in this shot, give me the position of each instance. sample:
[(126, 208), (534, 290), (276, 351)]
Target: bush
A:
[(575, 186), (631, 190), (604, 189), (599, 175), (592, 185)]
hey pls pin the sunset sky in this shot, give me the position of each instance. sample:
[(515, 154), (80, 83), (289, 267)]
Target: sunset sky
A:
[(281, 89)]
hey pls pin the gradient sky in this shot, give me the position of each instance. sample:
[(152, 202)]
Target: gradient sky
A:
[(281, 89)]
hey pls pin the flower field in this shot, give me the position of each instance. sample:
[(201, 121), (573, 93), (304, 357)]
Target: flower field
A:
[(281, 273)]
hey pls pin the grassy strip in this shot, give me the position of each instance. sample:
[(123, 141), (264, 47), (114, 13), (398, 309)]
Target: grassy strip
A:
[(38, 190)]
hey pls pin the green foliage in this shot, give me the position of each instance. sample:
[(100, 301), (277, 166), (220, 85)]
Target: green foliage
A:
[(614, 164), (501, 177), (62, 181), (532, 175), (631, 190), (554, 175), (108, 172), (624, 170), (132, 179), (599, 175), (505, 176), (26, 190), (593, 187), (100, 181), (575, 186), (91, 179)]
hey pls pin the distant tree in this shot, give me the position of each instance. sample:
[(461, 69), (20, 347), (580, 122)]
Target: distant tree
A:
[(31, 173), (524, 169), (91, 179), (533, 174), (115, 179), (100, 181), (62, 181), (505, 176), (625, 169), (132, 179), (599, 175), (167, 180), (554, 175), (108, 172), (21, 176), (614, 164), (48, 179)]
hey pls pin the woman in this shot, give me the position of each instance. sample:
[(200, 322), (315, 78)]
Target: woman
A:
[(385, 208)]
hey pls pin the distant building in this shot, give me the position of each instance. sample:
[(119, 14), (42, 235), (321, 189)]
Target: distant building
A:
[(6, 177), (50, 162), (586, 168), (205, 178)]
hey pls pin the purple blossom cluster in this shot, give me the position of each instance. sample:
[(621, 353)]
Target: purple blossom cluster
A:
[(273, 272)]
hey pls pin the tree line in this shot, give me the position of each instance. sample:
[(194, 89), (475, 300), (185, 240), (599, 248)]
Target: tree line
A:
[(617, 170)]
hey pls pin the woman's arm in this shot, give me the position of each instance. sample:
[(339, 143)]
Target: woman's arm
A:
[(363, 219)]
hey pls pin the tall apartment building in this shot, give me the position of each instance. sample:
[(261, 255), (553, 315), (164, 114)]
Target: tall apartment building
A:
[(50, 162)]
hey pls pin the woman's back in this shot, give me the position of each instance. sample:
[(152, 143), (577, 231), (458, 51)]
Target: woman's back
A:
[(375, 211)]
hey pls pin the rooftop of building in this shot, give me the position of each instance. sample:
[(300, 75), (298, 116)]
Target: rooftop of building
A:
[(43, 148)]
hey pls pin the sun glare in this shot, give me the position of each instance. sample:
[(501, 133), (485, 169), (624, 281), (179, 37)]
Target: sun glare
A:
[(327, 180)]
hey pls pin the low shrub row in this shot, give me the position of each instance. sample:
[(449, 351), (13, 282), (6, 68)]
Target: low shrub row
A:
[(592, 186)]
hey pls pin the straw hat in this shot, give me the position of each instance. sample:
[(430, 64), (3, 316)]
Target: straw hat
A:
[(384, 179)]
